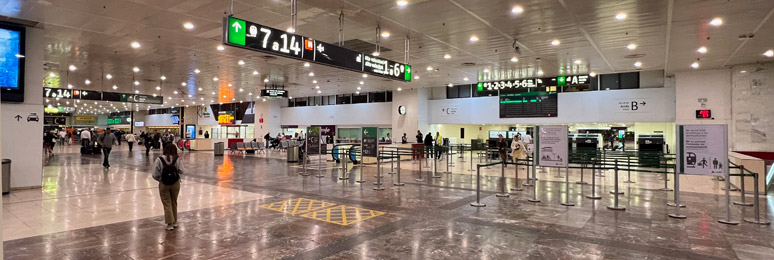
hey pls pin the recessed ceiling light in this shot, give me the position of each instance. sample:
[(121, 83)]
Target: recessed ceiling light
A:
[(450, 85), (316, 87), (70, 86), (311, 74), (212, 93), (314, 81), (136, 83), (631, 46), (241, 62), (359, 88), (465, 79), (473, 38), (163, 77), (291, 30), (429, 68), (87, 81), (183, 84), (197, 71), (201, 98), (361, 82), (375, 53), (702, 50), (135, 45), (229, 84), (385, 34), (555, 42), (136, 92), (744, 71), (188, 26), (266, 80), (108, 76), (620, 16), (402, 3), (447, 56), (695, 65), (517, 9), (365, 75), (357, 92), (638, 64), (175, 92), (250, 94), (717, 21), (578, 61), (51, 75), (540, 72), (593, 74), (220, 47), (115, 87), (514, 59), (158, 87), (136, 69), (214, 78), (200, 89), (255, 72), (769, 53), (73, 68), (306, 64), (486, 70)]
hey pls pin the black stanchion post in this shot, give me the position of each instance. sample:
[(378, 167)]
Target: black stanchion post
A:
[(743, 190), (757, 219), (615, 205), (478, 190)]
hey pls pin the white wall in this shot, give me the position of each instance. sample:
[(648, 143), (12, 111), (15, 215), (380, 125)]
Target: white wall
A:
[(753, 114), (415, 101), (340, 115), (713, 85), (578, 107), (22, 141)]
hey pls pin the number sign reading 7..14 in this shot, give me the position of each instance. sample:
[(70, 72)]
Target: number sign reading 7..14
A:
[(253, 36)]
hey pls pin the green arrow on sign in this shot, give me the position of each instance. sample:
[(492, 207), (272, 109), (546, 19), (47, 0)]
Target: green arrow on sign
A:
[(369, 132), (236, 31)]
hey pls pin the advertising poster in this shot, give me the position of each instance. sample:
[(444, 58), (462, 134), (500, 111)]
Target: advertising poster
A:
[(370, 143), (551, 146), (313, 139), (703, 149)]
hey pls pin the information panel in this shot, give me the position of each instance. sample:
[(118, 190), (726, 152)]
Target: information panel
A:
[(529, 104), (551, 142), (274, 93), (703, 149), (253, 36), (132, 98), (370, 144), (313, 140)]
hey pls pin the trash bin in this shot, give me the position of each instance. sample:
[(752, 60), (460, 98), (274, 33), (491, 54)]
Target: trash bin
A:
[(218, 148), (292, 154), (6, 176)]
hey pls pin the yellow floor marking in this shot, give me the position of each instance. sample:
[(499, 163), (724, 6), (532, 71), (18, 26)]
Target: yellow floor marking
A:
[(296, 205), (338, 215)]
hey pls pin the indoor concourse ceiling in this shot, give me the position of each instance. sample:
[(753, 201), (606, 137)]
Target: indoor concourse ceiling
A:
[(95, 36)]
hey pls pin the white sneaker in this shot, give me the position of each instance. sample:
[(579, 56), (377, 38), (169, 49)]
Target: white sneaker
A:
[(170, 227), (175, 224)]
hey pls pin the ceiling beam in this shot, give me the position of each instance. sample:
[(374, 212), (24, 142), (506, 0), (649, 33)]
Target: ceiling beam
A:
[(670, 10), (757, 28), (490, 26), (586, 34)]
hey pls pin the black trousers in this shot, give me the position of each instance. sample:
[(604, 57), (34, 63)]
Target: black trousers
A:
[(147, 148), (130, 145), (106, 154)]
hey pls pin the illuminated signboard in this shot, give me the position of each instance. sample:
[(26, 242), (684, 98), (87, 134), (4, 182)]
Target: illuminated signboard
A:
[(226, 117), (253, 36), (513, 83), (572, 80), (104, 96), (12, 51), (274, 93), (703, 114), (529, 104)]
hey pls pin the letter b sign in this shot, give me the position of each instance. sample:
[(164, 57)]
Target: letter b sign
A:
[(634, 106)]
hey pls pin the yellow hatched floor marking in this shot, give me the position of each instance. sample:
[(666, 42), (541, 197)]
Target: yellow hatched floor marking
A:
[(338, 215), (297, 205)]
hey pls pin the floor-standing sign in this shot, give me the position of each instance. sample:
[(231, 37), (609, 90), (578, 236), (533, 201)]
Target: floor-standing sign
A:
[(313, 147), (369, 141), (551, 146), (701, 150)]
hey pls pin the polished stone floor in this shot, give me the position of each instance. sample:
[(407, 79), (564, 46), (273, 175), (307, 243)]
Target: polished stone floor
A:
[(229, 210)]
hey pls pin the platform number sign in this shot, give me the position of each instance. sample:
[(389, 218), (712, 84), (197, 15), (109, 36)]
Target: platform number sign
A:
[(369, 141)]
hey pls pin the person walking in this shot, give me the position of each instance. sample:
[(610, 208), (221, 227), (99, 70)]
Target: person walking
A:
[(518, 149), (148, 143), (130, 139), (167, 172), (438, 145), (502, 147), (106, 140), (429, 144), (267, 137), (85, 137)]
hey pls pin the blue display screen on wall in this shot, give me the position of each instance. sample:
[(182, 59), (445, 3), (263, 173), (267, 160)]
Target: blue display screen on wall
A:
[(12, 57)]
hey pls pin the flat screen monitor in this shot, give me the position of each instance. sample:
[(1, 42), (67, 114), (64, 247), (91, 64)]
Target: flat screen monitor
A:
[(175, 120), (12, 56)]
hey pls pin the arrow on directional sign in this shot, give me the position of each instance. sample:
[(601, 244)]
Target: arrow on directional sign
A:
[(18, 117), (365, 131), (643, 103), (236, 26)]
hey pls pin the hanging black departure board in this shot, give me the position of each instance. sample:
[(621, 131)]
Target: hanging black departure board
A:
[(528, 104)]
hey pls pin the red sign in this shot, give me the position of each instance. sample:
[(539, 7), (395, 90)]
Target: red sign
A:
[(703, 114)]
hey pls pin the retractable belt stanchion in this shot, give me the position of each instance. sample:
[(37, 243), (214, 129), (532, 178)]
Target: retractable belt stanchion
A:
[(392, 162), (398, 183), (628, 170), (666, 177), (303, 158), (616, 191), (516, 178), (421, 176), (502, 193), (676, 191), (615, 205), (319, 163), (361, 169), (378, 182), (478, 189), (593, 195), (742, 189), (529, 180), (583, 165), (461, 148), (449, 159), (677, 213), (757, 219), (471, 159), (435, 169), (567, 187), (728, 200), (344, 166), (534, 182)]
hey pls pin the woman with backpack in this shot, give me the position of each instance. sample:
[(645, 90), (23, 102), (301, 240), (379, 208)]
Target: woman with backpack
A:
[(167, 172)]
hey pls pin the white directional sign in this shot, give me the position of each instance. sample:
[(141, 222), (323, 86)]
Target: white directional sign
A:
[(702, 149), (551, 142)]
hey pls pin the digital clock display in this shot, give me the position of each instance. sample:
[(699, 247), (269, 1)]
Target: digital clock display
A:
[(261, 38), (703, 114)]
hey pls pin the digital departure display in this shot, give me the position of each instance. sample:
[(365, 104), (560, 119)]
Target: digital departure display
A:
[(12, 62), (274, 93), (132, 98), (249, 35), (529, 104)]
